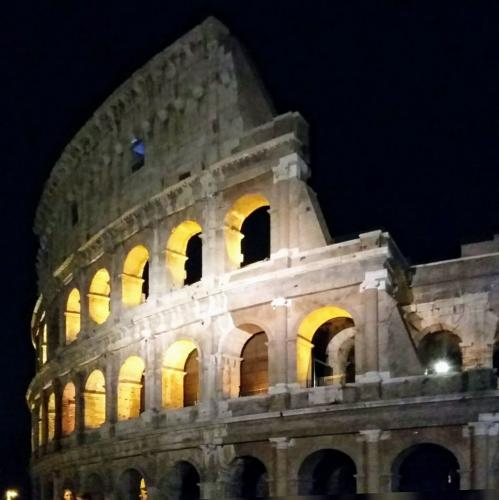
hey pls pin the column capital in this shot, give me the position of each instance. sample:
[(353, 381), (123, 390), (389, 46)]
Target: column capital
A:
[(291, 166), (378, 280), (374, 435), (282, 442)]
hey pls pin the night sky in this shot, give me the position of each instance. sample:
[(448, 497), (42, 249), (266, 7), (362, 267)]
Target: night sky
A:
[(401, 97)]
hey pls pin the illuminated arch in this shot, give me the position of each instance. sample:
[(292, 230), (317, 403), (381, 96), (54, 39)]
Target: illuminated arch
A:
[(95, 400), (133, 276), (68, 409), (254, 375), (131, 388), (51, 417), (306, 332), (72, 313), (99, 296), (234, 219), (176, 250), (180, 375)]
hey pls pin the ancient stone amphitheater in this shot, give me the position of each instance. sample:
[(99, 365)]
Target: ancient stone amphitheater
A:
[(199, 334)]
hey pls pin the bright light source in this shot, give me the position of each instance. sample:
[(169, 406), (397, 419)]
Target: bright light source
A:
[(441, 366), (10, 494)]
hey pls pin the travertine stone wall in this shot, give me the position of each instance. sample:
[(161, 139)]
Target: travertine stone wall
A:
[(215, 151)]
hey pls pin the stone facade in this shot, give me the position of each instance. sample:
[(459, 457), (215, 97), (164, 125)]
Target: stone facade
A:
[(311, 370)]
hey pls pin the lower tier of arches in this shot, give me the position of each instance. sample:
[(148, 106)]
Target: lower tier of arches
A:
[(427, 459)]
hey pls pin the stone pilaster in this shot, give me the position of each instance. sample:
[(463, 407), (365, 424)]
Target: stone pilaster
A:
[(373, 281), (370, 440), (281, 447)]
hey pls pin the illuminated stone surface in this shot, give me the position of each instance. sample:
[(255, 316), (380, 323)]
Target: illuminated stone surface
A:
[(141, 381)]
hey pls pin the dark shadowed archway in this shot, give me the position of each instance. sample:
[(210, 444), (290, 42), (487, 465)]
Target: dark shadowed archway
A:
[(247, 478), (327, 472), (180, 483), (131, 485), (426, 467)]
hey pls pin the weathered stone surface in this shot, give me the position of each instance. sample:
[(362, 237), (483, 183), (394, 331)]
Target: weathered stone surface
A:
[(157, 370)]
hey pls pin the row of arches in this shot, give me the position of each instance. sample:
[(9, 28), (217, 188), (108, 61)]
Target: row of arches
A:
[(247, 240), (180, 381), (325, 354), (426, 467)]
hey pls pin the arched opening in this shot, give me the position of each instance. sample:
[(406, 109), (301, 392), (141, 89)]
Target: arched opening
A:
[(95, 400), (327, 472), (426, 468), (247, 478), (256, 230), (325, 352), (94, 487), (439, 352), (254, 378), (72, 314), (255, 244), (183, 256), (68, 409), (135, 277), (180, 375), (99, 296), (181, 483), (131, 388), (132, 486), (51, 417)]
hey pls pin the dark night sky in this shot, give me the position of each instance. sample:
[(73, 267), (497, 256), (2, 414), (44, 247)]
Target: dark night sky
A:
[(402, 99)]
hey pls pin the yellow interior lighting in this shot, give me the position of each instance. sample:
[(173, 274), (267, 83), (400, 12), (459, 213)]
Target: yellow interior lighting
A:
[(98, 297), (130, 387), (176, 248), (234, 219), (132, 277), (306, 332), (95, 400), (72, 314), (173, 373), (68, 409), (51, 417)]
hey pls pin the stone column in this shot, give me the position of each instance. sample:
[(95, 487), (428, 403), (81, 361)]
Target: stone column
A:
[(111, 376), (79, 407), (483, 444), (212, 487), (278, 375), (370, 439), (284, 224), (373, 281), (58, 417), (229, 375), (152, 377), (281, 446)]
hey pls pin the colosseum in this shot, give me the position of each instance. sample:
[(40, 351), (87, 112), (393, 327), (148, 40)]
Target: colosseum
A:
[(200, 335)]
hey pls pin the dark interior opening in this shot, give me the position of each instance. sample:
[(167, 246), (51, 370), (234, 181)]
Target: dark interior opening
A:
[(429, 468), (255, 245), (194, 262)]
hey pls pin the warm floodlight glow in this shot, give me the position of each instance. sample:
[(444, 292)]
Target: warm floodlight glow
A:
[(234, 219), (441, 367), (98, 297), (306, 331), (176, 249), (72, 314), (9, 494), (133, 276), (130, 388), (173, 373), (95, 400)]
